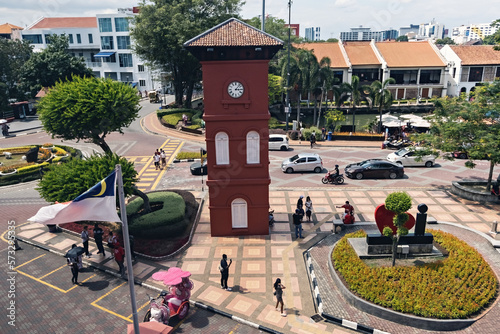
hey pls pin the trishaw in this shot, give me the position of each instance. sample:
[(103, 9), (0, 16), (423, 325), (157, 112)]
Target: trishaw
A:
[(153, 96), (175, 301)]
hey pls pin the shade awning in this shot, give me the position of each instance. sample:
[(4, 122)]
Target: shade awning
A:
[(134, 84), (104, 54)]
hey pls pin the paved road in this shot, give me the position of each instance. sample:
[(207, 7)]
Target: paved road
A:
[(47, 302)]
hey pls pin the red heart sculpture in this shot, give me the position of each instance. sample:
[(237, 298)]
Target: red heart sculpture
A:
[(384, 217)]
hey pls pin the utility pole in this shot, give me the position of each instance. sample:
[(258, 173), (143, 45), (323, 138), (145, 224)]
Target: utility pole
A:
[(263, 23), (288, 110)]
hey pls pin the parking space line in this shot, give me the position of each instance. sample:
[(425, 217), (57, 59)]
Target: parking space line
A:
[(43, 282), (139, 309), (53, 271), (2, 236), (19, 266), (85, 280), (94, 303)]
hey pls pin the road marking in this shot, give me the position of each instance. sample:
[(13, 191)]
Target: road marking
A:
[(94, 303), (53, 271), (2, 236), (169, 162), (85, 280), (139, 309), (29, 261)]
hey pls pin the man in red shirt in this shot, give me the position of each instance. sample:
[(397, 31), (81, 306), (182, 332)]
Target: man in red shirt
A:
[(119, 254), (347, 208)]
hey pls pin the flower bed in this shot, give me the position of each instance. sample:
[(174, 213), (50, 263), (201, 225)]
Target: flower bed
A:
[(458, 287)]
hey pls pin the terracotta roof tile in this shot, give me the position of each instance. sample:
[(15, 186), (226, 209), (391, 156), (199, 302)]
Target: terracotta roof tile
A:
[(477, 54), (409, 54), (330, 50), (66, 22), (233, 32), (361, 53), (7, 28)]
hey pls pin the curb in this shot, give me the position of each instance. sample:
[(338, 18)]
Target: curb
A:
[(186, 160), (13, 133), (151, 287)]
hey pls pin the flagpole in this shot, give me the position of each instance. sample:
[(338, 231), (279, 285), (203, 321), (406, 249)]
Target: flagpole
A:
[(126, 241)]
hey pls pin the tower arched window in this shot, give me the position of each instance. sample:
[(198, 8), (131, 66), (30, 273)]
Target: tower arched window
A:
[(222, 148), (253, 147), (239, 213)]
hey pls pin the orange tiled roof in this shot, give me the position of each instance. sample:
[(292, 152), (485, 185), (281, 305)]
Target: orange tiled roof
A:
[(66, 22), (477, 54), (7, 28), (361, 53), (330, 50), (233, 32), (409, 54)]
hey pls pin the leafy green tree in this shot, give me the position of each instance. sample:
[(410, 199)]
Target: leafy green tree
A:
[(88, 109), (275, 90), (444, 41), (64, 182), (52, 64), (471, 126), (353, 89), (495, 38), (382, 97), (399, 203), (332, 40), (333, 116), (13, 54), (273, 26), (324, 83), (163, 26), (402, 39)]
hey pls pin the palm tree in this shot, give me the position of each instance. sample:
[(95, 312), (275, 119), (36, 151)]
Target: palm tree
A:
[(382, 96), (354, 90), (323, 84)]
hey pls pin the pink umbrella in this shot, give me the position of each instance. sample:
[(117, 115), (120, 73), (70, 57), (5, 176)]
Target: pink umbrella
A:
[(173, 276)]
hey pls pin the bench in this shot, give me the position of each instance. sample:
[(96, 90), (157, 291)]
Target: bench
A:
[(340, 224)]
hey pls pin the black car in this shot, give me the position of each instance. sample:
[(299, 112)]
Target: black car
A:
[(374, 168), (199, 169)]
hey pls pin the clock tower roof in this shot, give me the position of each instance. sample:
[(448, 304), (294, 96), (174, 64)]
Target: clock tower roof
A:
[(227, 40)]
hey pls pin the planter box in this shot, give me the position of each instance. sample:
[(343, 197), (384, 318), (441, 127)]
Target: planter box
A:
[(460, 188), (361, 138)]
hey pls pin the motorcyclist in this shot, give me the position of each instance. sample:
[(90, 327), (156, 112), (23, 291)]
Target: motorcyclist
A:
[(334, 173)]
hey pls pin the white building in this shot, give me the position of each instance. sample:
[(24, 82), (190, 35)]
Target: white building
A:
[(431, 30), (313, 34), (466, 33), (104, 43)]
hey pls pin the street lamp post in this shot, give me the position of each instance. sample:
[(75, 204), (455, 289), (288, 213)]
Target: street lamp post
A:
[(287, 102), (381, 99)]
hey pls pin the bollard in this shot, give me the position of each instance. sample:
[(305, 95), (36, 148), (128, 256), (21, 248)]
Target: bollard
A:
[(494, 227)]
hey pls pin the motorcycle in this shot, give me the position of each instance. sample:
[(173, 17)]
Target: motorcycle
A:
[(329, 178), (271, 217)]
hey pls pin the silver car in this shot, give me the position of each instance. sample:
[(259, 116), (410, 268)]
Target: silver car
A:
[(303, 162), (407, 157)]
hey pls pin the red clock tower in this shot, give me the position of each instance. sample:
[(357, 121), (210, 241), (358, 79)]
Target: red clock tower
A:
[(234, 58)]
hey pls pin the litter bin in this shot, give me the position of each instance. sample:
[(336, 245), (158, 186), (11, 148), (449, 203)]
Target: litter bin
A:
[(330, 136)]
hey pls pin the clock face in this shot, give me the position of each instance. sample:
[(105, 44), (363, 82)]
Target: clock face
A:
[(235, 89)]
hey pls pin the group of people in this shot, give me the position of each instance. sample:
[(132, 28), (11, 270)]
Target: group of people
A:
[(348, 216), (117, 251), (298, 216), (5, 129), (160, 157)]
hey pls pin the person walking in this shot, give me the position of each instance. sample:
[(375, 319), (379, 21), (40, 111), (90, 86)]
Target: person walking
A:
[(297, 222), (278, 287), (85, 240), (156, 159), (119, 254), (73, 264), (312, 139), (111, 242), (98, 233), (300, 202), (163, 158), (309, 206), (224, 272)]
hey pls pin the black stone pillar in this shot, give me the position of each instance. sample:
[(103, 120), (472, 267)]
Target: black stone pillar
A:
[(421, 219)]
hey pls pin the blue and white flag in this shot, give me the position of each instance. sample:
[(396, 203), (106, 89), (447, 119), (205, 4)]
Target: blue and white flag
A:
[(96, 204)]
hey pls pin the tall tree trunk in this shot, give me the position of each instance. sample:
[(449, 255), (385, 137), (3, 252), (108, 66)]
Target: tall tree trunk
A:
[(395, 241), (189, 95), (490, 175), (380, 119), (298, 111), (353, 117), (102, 143), (145, 198)]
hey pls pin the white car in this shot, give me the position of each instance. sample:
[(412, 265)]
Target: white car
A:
[(303, 162), (278, 142), (407, 158)]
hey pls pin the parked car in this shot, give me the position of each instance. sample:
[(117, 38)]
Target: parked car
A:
[(460, 155), (407, 157), (303, 162), (198, 169), (374, 168), (278, 142)]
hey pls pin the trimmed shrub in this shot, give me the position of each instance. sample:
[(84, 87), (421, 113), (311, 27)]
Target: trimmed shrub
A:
[(460, 286), (189, 155), (173, 119), (6, 169), (31, 168), (308, 132), (165, 222), (17, 150)]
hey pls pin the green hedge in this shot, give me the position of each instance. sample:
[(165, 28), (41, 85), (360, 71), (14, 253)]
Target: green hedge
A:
[(189, 155), (166, 222), (460, 286), (162, 112), (31, 168)]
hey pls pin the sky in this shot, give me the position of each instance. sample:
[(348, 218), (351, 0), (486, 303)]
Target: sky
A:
[(332, 16)]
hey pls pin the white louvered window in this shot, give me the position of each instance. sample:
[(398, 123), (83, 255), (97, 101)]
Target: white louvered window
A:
[(222, 148), (253, 148), (239, 213)]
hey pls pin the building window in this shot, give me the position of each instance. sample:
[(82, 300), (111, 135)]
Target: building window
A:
[(105, 24), (35, 39), (79, 38), (111, 75), (239, 213), (121, 24), (125, 60), (110, 59), (91, 39), (406, 77), (221, 149), (107, 43), (476, 74), (80, 54), (70, 38), (47, 39), (253, 148), (123, 42), (497, 76), (142, 83), (140, 68), (430, 76), (367, 74)]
